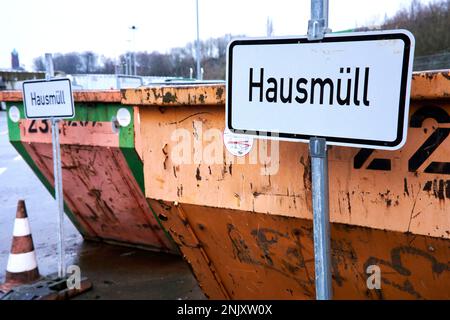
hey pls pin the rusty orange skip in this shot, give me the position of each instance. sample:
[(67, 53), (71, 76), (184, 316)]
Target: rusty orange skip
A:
[(245, 224)]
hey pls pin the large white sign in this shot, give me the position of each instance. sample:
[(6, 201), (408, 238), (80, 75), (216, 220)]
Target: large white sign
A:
[(351, 88), (48, 99)]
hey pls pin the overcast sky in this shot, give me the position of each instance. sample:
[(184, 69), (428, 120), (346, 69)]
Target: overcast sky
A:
[(103, 26)]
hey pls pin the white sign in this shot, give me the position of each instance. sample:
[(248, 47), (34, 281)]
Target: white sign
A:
[(48, 99), (123, 117), (351, 89)]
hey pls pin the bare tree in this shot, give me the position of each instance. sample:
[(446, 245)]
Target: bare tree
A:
[(177, 62)]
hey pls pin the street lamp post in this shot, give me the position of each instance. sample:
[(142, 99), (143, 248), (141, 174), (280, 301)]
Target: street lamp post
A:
[(133, 28), (199, 72)]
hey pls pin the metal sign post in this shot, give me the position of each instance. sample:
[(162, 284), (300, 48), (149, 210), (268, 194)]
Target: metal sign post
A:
[(197, 46), (317, 27), (52, 99), (58, 195)]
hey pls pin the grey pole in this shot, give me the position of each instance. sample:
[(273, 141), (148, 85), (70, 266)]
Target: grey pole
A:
[(317, 27), (133, 28), (199, 71), (321, 219), (58, 195), (57, 175), (49, 70), (318, 24)]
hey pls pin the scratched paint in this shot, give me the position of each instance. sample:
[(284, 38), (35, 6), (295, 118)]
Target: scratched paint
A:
[(387, 190), (240, 255)]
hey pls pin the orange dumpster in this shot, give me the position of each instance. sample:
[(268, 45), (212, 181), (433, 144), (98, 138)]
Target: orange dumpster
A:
[(101, 164), (245, 223)]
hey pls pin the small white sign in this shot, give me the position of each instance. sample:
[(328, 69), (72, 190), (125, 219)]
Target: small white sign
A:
[(237, 145), (14, 114), (45, 99), (351, 89)]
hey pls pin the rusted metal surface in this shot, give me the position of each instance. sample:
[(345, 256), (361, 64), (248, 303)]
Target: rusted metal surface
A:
[(186, 239), (266, 256), (79, 96), (425, 85), (11, 95), (395, 202), (244, 224), (22, 243), (431, 85), (48, 288), (137, 133), (404, 191), (191, 95), (89, 133), (102, 195)]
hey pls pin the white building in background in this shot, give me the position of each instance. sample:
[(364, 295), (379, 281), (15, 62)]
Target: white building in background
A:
[(112, 81), (13, 79)]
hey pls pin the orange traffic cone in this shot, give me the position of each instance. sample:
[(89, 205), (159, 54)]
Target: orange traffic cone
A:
[(22, 264)]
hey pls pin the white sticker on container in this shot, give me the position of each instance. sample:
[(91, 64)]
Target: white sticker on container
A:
[(237, 145), (14, 114), (123, 117), (115, 126)]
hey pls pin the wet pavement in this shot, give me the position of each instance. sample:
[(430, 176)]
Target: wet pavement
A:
[(116, 272)]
